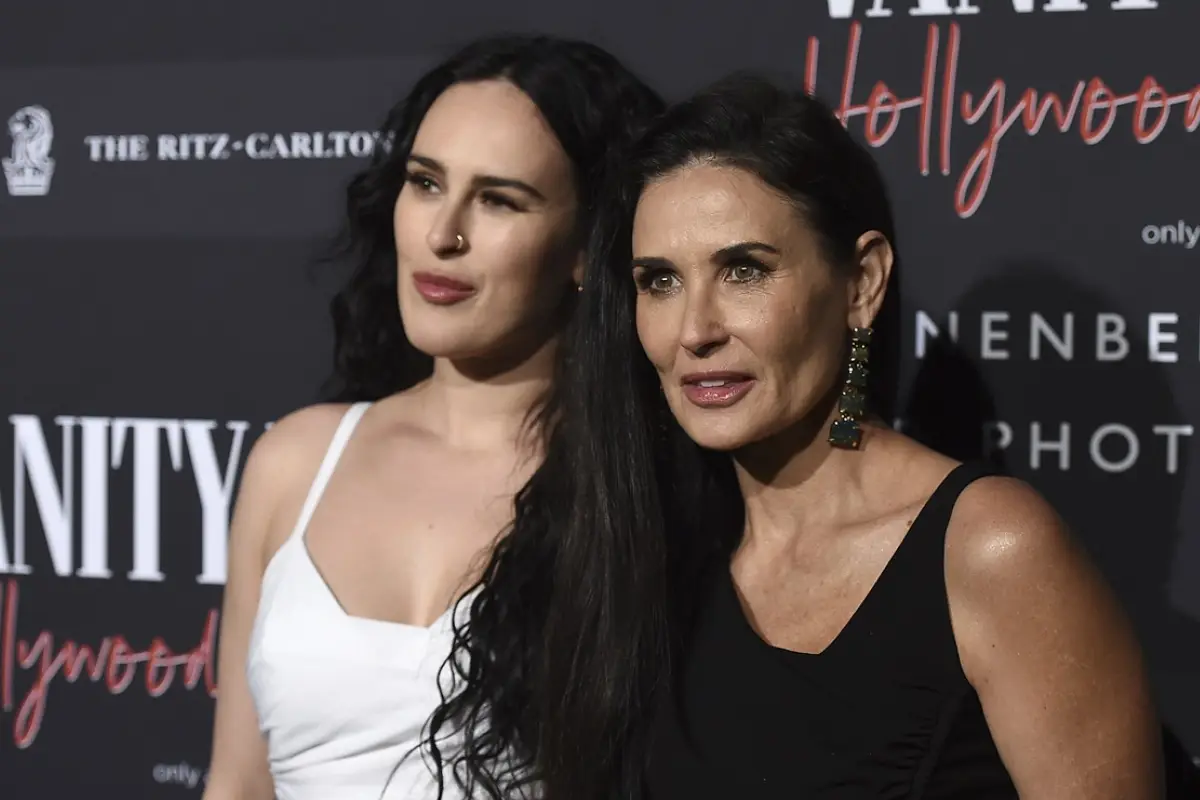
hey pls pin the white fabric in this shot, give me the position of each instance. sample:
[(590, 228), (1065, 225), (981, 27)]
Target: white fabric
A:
[(342, 700)]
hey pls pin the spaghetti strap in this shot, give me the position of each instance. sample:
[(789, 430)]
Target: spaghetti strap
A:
[(925, 544), (941, 503), (337, 445)]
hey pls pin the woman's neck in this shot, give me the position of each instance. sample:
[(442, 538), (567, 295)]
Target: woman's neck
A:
[(476, 408), (797, 481)]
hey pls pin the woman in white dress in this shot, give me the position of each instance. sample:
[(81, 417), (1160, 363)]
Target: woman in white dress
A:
[(391, 629)]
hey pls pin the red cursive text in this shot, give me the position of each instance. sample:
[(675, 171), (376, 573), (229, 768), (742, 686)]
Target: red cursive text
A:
[(114, 662), (1090, 108)]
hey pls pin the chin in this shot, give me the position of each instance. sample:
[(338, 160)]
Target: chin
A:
[(444, 341), (722, 435)]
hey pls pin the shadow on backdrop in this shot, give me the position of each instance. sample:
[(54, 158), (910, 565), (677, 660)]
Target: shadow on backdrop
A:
[(949, 406), (1056, 416)]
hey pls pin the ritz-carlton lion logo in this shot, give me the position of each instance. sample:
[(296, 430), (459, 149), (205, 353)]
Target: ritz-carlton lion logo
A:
[(29, 169)]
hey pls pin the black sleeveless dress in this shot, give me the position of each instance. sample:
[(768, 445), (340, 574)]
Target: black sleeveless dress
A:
[(883, 713)]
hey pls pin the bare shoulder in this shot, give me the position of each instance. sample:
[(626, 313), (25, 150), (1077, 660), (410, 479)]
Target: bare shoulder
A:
[(1019, 580), (281, 466), (1046, 645), (304, 428), (1002, 528), (288, 448)]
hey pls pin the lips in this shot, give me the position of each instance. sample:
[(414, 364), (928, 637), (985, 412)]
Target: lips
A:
[(716, 389), (440, 289)]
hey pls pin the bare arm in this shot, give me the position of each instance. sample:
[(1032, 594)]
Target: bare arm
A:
[(1048, 649), (282, 460)]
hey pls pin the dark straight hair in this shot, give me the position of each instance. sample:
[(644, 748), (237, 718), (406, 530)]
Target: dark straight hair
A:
[(545, 670)]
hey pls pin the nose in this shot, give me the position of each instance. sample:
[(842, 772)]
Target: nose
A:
[(446, 237), (703, 330)]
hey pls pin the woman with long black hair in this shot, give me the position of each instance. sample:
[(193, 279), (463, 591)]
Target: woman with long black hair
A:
[(851, 614), (390, 629)]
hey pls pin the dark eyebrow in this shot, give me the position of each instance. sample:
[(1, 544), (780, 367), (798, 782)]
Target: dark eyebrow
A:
[(651, 262), (742, 249), (482, 181), (739, 250)]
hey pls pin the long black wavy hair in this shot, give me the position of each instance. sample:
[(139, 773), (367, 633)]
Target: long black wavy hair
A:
[(674, 508), (546, 669)]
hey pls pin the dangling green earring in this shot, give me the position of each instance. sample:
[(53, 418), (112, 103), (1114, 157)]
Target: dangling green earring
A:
[(846, 431)]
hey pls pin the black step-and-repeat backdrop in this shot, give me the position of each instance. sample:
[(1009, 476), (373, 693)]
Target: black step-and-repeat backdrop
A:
[(170, 171)]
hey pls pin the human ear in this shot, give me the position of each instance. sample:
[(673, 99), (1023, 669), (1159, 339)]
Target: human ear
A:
[(867, 290)]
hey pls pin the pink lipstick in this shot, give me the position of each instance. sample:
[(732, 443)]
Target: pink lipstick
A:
[(441, 290), (716, 389)]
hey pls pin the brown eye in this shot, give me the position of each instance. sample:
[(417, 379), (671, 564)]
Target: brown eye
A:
[(422, 183), (499, 201), (745, 272), (663, 282), (656, 281)]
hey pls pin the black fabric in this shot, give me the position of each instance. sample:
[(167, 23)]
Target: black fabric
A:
[(884, 712)]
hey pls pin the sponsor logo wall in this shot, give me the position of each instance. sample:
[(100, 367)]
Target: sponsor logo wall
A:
[(158, 308)]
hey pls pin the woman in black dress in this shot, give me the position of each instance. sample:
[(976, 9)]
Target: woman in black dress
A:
[(857, 615)]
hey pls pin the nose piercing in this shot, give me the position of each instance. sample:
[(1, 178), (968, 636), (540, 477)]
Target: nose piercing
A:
[(460, 242)]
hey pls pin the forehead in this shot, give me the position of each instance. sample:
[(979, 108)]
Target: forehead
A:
[(709, 206), (490, 128)]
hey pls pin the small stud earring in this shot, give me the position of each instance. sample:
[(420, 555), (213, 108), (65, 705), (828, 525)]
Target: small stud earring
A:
[(846, 430)]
